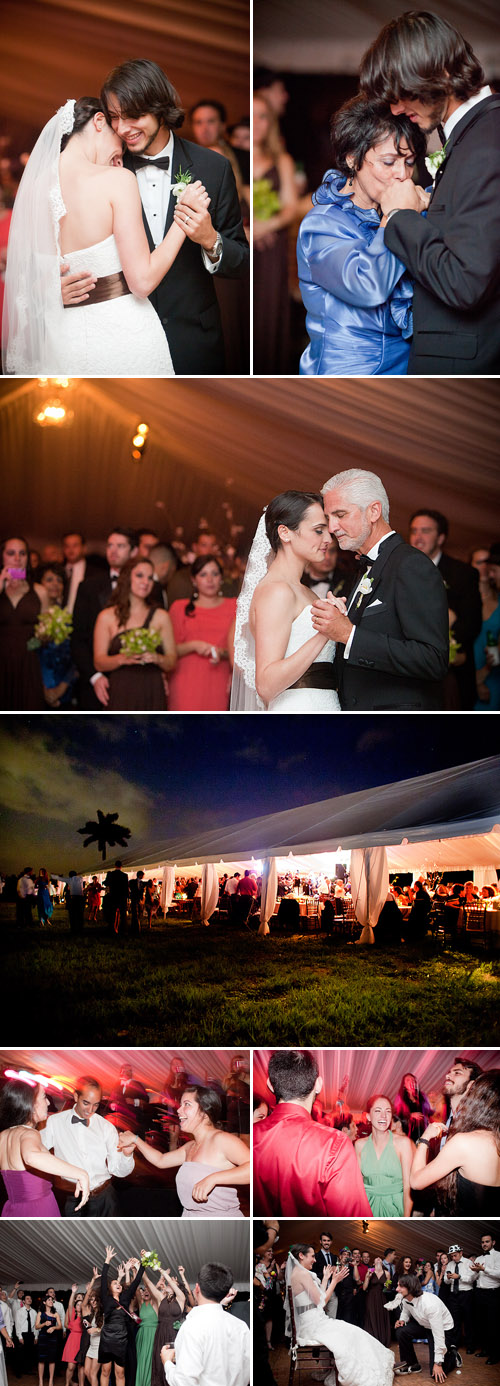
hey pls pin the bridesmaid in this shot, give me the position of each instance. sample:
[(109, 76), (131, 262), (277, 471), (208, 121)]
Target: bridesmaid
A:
[(74, 1323), (209, 1164), (136, 682), (21, 601), (47, 1325), (385, 1162), (22, 1107), (168, 1304), (148, 1314)]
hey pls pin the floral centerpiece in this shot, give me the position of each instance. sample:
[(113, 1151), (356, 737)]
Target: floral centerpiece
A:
[(151, 1261), (52, 628), (265, 200), (140, 640)]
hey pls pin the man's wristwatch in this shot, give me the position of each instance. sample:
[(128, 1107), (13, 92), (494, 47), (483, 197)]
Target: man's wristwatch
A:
[(215, 252)]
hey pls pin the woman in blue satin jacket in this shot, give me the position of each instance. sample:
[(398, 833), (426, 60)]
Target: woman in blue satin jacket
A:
[(357, 294)]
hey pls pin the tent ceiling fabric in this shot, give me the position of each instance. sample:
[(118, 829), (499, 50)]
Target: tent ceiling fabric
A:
[(432, 442), (449, 803), (330, 36), (43, 1252), (54, 50), (374, 1071), (149, 1065), (412, 1237)]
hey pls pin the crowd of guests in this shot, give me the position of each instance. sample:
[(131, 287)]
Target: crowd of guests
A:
[(143, 1327), (376, 1287), (402, 1156), (150, 625)]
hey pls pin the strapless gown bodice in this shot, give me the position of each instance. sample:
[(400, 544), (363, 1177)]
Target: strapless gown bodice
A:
[(306, 699), (120, 335), (477, 1200), (222, 1202), (28, 1196)]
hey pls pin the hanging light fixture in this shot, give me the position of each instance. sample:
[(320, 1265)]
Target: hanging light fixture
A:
[(52, 411), (139, 441)]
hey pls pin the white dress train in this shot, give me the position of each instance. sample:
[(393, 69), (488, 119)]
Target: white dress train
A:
[(360, 1360), (306, 699)]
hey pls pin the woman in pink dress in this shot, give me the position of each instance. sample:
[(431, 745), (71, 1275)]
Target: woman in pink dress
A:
[(23, 1105), (204, 633), (210, 1163), (72, 1346)]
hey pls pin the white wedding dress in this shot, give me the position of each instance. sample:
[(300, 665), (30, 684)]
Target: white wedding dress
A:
[(121, 336), (306, 699), (360, 1360)]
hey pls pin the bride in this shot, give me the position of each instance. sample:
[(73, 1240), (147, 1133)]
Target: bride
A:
[(280, 662), (78, 204), (360, 1360)]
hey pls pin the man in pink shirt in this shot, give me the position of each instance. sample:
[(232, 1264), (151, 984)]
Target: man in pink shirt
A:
[(301, 1167)]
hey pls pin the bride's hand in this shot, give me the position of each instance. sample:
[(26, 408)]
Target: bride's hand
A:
[(339, 602)]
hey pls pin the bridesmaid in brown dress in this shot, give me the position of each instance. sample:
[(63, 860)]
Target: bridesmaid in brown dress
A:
[(21, 601), (377, 1319), (136, 682), (271, 339), (170, 1307)]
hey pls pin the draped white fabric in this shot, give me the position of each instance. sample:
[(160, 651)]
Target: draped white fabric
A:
[(42, 1253), (369, 886), (151, 1066), (485, 875), (167, 887), (209, 892), (374, 1070), (269, 893)]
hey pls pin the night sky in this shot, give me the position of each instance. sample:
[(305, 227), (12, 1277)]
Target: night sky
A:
[(168, 774)]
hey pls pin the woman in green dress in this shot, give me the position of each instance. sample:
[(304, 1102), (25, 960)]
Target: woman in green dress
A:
[(385, 1161), (148, 1315)]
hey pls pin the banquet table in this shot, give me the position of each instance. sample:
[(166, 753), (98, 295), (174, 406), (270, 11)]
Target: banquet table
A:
[(492, 926)]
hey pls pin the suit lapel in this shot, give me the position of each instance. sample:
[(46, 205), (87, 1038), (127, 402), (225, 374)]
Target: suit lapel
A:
[(181, 162), (461, 128), (375, 574)]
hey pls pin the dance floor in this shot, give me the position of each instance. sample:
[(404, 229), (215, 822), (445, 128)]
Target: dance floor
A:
[(474, 1371)]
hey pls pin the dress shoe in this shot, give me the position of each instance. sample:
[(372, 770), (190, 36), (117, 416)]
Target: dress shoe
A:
[(406, 1370)]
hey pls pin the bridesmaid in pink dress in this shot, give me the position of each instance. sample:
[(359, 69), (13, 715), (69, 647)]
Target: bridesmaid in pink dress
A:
[(73, 1342), (204, 633), (211, 1163), (23, 1106)]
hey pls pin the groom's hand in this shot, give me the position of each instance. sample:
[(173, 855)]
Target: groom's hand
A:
[(331, 622), (75, 288)]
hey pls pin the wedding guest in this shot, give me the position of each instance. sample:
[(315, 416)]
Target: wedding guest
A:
[(169, 1300), (148, 1314), (357, 294), (300, 1166), (21, 602), (77, 565), (25, 891), (80, 1133), (75, 898), (72, 1348), (422, 67), (431, 1315), (487, 1296), (93, 1318), (43, 898), (376, 1321), (136, 891), (136, 681), (275, 206), (429, 532), (117, 888), (460, 1279), (209, 1164), (385, 1163), (93, 594), (486, 646), (147, 539), (23, 1106), (117, 1346), (203, 630), (210, 1337), (25, 1324), (467, 1167), (428, 1280), (56, 663), (412, 1104)]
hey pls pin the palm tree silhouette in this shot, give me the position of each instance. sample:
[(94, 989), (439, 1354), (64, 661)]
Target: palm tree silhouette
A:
[(105, 831)]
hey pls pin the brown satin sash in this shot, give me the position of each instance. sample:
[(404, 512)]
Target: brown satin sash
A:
[(108, 286), (320, 675)]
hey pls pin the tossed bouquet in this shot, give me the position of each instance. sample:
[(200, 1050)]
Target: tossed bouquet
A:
[(265, 200), (53, 627), (140, 640), (151, 1260)]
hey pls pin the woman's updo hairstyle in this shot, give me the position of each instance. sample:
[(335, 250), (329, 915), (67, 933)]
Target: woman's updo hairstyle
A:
[(208, 1101), (288, 509), (360, 124), (85, 109)]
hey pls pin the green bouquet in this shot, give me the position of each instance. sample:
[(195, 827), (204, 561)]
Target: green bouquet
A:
[(151, 1261), (52, 628), (455, 648), (265, 200), (140, 641)]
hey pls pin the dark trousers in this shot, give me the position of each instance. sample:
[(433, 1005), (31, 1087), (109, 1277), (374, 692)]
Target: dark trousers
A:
[(118, 914), (461, 1307), (487, 1318), (104, 1205), (406, 1337), (75, 911), (24, 1355)]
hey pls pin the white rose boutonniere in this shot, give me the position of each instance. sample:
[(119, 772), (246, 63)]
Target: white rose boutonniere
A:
[(434, 161), (182, 181), (365, 587)]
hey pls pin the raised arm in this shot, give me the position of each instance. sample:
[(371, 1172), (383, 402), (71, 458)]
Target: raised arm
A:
[(143, 268), (173, 1284), (89, 1289), (189, 1292), (69, 1312)]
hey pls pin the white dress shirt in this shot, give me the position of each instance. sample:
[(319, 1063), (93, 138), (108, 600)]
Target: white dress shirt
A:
[(468, 1276), (93, 1147), (211, 1349), (489, 1278), (462, 110), (25, 886), (155, 186), (373, 554), (21, 1320), (432, 1314)]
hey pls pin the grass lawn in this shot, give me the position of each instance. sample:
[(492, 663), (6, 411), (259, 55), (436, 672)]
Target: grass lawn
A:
[(182, 985)]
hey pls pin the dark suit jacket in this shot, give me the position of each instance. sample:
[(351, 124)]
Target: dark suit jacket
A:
[(185, 300), (399, 652), (453, 254), (320, 1263), (463, 596)]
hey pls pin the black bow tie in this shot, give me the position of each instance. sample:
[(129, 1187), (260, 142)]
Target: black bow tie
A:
[(82, 1121), (139, 162), (364, 563)]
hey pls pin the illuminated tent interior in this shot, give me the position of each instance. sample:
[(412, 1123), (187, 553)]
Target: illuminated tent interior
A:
[(150, 1066), (374, 1070), (218, 442), (54, 50), (42, 1252), (409, 1237)]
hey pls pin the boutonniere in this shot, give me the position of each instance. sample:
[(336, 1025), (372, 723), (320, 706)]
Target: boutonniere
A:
[(182, 181), (365, 587), (435, 161)]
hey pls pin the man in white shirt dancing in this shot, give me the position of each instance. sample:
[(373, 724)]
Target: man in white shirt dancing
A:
[(211, 1347), (82, 1137), (432, 1321)]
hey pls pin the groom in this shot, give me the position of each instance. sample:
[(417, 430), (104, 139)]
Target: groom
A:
[(422, 67), (393, 644), (143, 109)]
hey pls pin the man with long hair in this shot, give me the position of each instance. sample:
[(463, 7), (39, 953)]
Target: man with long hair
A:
[(420, 65), (432, 1321)]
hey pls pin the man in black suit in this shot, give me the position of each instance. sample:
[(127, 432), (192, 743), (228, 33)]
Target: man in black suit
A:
[(422, 67), (429, 532), (143, 108), (78, 565), (92, 596), (392, 645)]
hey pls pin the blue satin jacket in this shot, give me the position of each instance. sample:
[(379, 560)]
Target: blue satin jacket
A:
[(357, 294)]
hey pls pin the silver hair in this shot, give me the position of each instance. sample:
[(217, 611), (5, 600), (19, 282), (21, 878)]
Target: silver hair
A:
[(362, 488)]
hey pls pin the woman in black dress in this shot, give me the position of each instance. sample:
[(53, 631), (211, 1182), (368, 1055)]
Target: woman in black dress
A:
[(21, 602), (117, 1344), (47, 1325), (136, 682), (377, 1320), (465, 1174)]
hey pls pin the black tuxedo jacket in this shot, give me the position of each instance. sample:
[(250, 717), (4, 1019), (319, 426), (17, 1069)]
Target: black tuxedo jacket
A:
[(185, 300), (93, 595), (400, 649), (453, 254), (320, 1263), (463, 596)]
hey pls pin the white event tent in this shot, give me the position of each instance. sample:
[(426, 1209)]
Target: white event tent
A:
[(449, 819)]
